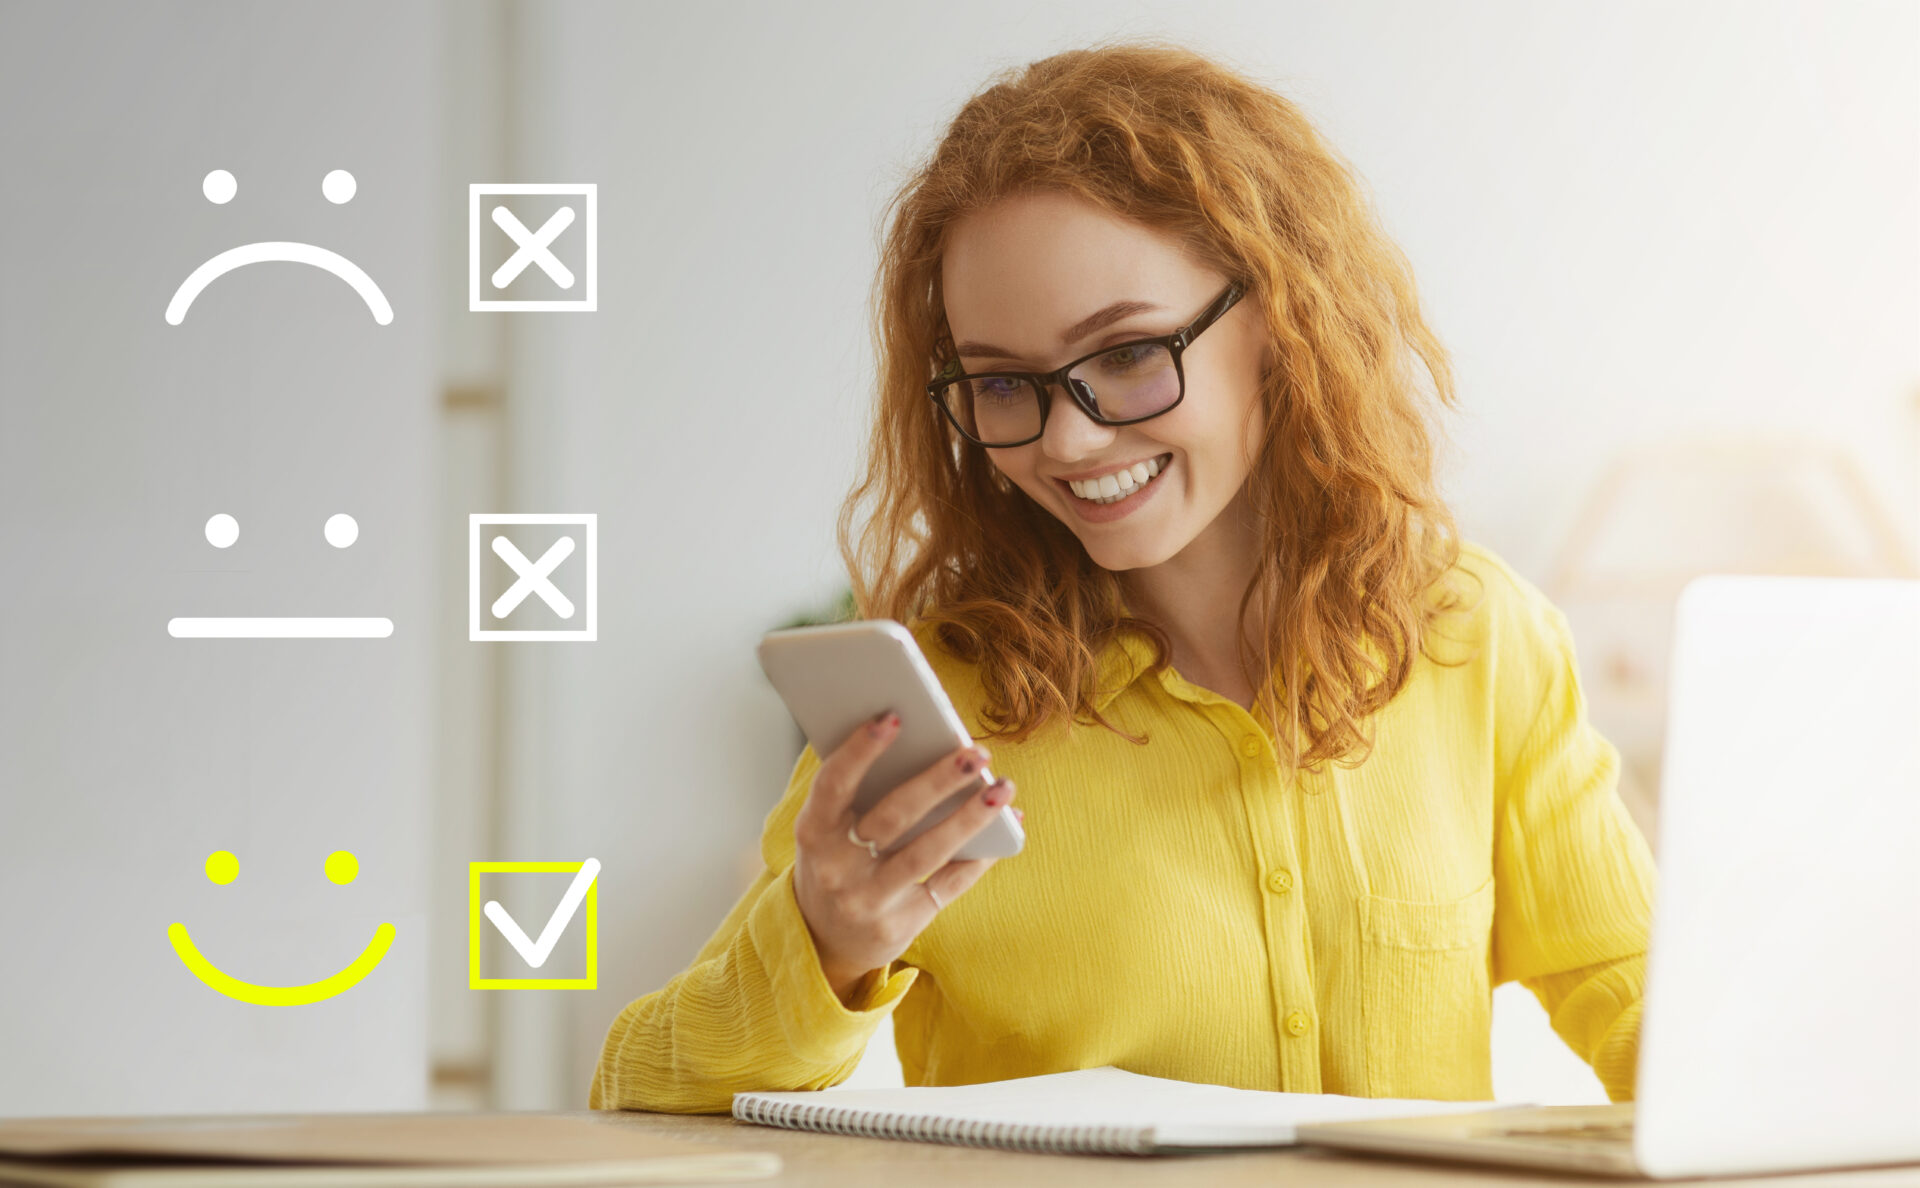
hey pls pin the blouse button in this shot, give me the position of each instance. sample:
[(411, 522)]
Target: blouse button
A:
[(1297, 1024), (1250, 746), (1281, 881)]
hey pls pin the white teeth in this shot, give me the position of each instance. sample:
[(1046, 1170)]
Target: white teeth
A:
[(1111, 488)]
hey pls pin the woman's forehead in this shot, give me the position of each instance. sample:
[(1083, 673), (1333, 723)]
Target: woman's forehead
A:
[(1023, 271), (1029, 235)]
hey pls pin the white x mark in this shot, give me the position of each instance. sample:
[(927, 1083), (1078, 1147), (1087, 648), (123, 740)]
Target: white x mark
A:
[(533, 247), (533, 577)]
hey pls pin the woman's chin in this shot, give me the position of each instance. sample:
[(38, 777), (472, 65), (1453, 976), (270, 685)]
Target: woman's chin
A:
[(1119, 555)]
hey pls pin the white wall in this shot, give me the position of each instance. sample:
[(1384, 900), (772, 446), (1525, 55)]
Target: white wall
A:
[(127, 756), (1626, 218)]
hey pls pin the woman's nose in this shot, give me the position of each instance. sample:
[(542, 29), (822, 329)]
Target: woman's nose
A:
[(1070, 432)]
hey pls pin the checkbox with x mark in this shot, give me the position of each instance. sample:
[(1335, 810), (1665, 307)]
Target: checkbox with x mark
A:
[(532, 247), (533, 576)]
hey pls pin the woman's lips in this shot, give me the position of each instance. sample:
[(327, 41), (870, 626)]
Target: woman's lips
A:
[(1103, 513)]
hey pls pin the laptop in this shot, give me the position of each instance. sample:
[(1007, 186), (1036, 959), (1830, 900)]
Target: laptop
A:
[(1781, 1028)]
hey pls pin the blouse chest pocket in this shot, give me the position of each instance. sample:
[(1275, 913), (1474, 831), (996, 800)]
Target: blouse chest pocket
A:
[(1427, 998)]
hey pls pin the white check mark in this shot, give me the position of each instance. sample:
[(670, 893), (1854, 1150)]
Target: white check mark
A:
[(535, 953)]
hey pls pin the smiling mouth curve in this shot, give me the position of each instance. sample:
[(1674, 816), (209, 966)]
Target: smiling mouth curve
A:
[(1067, 488), (284, 252), (225, 983)]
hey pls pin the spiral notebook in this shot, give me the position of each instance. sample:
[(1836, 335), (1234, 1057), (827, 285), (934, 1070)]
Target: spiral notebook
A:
[(1105, 1110)]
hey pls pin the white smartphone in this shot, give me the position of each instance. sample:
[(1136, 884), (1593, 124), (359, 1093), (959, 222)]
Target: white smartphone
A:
[(838, 677)]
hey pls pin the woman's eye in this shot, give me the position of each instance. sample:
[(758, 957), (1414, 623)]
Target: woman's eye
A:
[(1133, 355)]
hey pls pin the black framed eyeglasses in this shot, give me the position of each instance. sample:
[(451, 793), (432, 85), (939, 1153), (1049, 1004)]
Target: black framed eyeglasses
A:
[(1121, 384)]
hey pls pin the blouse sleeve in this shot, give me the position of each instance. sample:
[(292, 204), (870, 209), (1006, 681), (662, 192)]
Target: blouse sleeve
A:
[(754, 1011), (1574, 875)]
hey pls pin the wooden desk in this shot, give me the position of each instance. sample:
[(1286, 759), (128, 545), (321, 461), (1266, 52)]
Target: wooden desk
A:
[(839, 1161)]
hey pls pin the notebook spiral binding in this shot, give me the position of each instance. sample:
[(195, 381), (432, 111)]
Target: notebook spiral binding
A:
[(1071, 1140)]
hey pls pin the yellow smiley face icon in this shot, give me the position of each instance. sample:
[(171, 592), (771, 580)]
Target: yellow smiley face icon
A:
[(222, 868)]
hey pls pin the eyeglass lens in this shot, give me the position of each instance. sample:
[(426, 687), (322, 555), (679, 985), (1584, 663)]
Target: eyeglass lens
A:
[(1124, 384)]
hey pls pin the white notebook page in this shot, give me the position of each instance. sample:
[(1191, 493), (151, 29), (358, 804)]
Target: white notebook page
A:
[(1179, 1113)]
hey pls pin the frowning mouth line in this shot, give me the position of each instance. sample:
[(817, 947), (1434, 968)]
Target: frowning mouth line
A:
[(289, 253), (263, 627)]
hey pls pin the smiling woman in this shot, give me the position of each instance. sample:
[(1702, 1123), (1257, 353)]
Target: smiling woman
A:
[(1151, 481)]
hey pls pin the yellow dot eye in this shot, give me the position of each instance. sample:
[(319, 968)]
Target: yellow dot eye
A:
[(342, 867), (222, 867)]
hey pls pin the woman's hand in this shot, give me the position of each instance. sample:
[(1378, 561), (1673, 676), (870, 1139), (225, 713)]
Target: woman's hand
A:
[(864, 910)]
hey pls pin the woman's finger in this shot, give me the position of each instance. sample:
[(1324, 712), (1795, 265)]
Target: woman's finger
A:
[(924, 855), (950, 880), (901, 809), (841, 772)]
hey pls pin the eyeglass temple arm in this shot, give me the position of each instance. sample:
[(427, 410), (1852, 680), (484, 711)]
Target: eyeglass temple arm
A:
[(1209, 315)]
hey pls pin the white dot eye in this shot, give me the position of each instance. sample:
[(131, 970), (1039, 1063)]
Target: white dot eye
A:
[(342, 530), (222, 530), (339, 186), (219, 187)]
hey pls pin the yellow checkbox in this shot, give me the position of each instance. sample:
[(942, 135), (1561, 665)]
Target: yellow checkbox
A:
[(589, 903)]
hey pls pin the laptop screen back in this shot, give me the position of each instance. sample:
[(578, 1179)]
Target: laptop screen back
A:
[(1782, 1024)]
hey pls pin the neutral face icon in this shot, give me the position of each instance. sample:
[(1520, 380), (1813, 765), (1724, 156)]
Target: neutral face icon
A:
[(220, 188), (222, 868), (222, 531)]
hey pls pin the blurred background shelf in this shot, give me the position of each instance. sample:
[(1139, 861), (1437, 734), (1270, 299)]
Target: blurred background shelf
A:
[(1665, 513)]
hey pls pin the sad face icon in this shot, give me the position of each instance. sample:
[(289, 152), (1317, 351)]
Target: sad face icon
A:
[(220, 188)]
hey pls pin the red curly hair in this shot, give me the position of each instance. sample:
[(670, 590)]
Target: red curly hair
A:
[(1354, 533)]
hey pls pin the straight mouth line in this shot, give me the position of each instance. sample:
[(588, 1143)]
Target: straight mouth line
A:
[(261, 627)]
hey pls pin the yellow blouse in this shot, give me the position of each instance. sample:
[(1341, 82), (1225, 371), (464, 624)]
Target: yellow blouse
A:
[(1183, 911)]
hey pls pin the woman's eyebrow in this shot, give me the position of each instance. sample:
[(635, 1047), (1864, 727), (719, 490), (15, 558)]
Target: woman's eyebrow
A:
[(1073, 334)]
